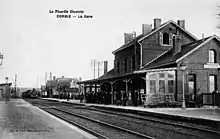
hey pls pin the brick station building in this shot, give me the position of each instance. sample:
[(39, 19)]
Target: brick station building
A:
[(165, 60)]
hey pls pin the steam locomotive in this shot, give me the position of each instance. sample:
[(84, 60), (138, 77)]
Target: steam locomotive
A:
[(32, 94)]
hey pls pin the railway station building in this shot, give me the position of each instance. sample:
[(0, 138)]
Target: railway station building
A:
[(164, 62)]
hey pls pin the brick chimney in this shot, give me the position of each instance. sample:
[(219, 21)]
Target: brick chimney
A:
[(105, 67), (146, 28), (181, 23), (157, 23), (177, 44), (54, 78), (62, 77), (128, 37)]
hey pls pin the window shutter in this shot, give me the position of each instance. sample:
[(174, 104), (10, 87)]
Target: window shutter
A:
[(161, 38), (171, 39)]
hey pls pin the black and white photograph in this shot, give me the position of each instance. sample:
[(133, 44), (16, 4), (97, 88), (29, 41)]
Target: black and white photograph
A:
[(109, 69)]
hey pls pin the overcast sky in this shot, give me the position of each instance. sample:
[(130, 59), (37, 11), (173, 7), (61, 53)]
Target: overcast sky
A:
[(34, 41)]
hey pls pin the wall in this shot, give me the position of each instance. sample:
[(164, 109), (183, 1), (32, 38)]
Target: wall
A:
[(152, 47), (195, 65), (126, 53)]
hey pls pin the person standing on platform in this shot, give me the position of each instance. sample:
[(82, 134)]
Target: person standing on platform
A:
[(68, 95), (124, 98)]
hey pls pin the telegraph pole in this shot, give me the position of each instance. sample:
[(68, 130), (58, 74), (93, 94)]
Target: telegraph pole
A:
[(94, 69), (99, 64), (94, 62), (98, 68), (45, 78)]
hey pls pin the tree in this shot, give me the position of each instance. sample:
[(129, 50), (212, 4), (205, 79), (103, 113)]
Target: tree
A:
[(218, 18)]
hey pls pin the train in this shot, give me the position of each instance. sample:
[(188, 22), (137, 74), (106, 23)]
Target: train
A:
[(31, 94)]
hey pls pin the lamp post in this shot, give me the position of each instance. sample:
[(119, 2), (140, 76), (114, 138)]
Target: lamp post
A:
[(1, 59), (6, 92), (182, 68)]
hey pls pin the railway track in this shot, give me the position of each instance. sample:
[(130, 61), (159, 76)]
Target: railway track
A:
[(96, 127), (139, 124)]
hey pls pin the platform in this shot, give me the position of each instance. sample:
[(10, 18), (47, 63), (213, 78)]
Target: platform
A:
[(204, 113), (20, 120)]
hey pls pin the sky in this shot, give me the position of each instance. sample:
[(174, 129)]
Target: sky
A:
[(34, 41)]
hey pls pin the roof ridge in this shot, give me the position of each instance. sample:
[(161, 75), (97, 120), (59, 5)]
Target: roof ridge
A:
[(153, 31)]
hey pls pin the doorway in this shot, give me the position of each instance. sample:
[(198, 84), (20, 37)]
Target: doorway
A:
[(192, 87)]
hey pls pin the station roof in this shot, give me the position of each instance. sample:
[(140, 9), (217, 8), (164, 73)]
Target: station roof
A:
[(169, 57)]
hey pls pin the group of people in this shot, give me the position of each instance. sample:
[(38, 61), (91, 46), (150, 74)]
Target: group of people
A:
[(106, 98), (98, 97), (120, 97)]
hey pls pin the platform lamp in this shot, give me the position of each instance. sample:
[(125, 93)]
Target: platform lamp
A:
[(6, 80), (183, 68), (1, 58)]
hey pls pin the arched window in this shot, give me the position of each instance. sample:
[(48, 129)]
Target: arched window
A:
[(212, 56)]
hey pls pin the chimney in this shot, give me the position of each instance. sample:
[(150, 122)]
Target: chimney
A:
[(157, 23), (54, 77), (146, 28), (181, 23), (128, 37), (202, 36), (177, 44), (80, 78), (105, 67), (62, 77)]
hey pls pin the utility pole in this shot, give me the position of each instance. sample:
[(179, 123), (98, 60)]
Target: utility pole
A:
[(37, 81), (45, 78), (94, 69), (50, 76), (98, 68), (94, 62), (99, 64)]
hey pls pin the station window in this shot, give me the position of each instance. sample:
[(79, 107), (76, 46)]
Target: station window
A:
[(118, 67), (162, 86), (170, 86), (133, 63), (125, 64), (212, 56), (212, 83), (166, 38), (170, 76), (152, 86), (115, 66), (161, 75)]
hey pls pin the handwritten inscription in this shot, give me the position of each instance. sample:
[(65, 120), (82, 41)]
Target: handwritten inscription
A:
[(28, 130)]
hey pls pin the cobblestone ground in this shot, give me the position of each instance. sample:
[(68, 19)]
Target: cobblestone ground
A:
[(19, 120)]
